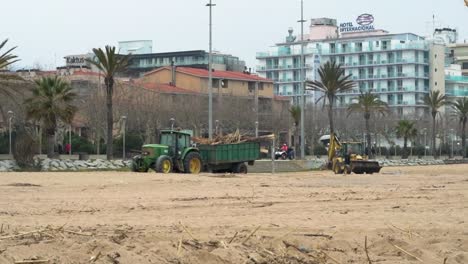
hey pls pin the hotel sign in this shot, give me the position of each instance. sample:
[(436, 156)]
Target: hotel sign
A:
[(77, 60), (364, 22)]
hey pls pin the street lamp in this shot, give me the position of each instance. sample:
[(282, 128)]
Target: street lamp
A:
[(425, 143), (302, 21), (172, 123), (256, 128), (210, 77), (11, 114), (452, 136), (124, 123), (70, 140)]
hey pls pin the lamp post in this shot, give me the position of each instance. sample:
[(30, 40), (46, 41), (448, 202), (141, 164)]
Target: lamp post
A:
[(452, 136), (70, 139), (11, 114), (210, 77), (172, 123), (302, 81), (124, 124), (425, 142), (256, 128)]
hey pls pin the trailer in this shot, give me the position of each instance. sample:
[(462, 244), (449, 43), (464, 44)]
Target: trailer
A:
[(229, 157)]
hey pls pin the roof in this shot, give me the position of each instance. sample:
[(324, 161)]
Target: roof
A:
[(228, 75)]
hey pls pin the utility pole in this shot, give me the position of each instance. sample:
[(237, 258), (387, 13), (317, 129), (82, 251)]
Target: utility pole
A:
[(210, 77), (302, 89)]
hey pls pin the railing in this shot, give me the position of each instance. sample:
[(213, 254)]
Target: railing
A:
[(285, 53), (456, 78)]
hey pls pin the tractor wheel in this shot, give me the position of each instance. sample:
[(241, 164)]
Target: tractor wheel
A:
[(192, 163), (338, 169), (135, 168), (163, 164), (240, 168), (348, 169)]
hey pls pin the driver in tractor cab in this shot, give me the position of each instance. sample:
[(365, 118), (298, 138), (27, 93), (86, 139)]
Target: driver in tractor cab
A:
[(347, 161)]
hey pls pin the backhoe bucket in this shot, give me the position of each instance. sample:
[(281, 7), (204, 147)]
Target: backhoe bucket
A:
[(365, 166)]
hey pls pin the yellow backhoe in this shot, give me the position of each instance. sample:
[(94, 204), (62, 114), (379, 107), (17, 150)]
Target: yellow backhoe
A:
[(347, 157)]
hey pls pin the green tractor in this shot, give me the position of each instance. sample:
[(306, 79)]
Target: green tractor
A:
[(173, 153)]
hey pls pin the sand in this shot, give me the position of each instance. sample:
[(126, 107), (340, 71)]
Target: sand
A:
[(408, 214)]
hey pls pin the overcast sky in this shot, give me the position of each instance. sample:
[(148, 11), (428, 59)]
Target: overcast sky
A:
[(47, 30)]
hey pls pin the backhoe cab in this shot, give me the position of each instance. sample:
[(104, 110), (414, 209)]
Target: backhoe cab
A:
[(347, 157)]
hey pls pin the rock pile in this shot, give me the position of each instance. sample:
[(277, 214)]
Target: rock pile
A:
[(8, 165), (409, 162), (75, 165), (69, 165)]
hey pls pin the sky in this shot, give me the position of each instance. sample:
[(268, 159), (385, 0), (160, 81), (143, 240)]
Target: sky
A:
[(45, 31)]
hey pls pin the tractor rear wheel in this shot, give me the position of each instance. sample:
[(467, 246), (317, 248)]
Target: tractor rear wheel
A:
[(240, 168), (338, 168), (192, 163), (163, 164)]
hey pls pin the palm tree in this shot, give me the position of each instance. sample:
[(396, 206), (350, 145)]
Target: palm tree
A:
[(6, 58), (110, 63), (434, 100), (295, 112), (51, 102), (332, 82), (367, 104), (406, 130), (460, 108)]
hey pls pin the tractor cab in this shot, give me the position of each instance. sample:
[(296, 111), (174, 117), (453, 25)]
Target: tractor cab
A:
[(173, 153), (176, 141), (355, 149)]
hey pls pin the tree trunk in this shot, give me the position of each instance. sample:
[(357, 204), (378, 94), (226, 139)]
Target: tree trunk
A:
[(464, 138), (110, 123), (368, 139), (434, 152), (50, 143), (330, 117), (296, 140), (405, 148)]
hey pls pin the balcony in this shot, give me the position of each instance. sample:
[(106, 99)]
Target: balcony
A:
[(285, 53), (463, 79), (406, 46)]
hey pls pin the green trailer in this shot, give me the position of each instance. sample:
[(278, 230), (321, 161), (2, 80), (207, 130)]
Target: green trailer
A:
[(229, 157)]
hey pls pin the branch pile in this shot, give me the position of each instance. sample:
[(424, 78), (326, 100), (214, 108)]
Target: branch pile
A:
[(233, 138)]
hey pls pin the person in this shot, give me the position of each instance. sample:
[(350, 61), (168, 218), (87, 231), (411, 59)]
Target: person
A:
[(67, 148), (284, 148)]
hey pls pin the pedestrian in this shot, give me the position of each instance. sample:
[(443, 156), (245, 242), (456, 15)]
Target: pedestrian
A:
[(68, 148)]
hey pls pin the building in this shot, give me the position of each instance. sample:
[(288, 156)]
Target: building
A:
[(136, 47), (458, 53), (142, 63), (225, 83), (399, 68), (456, 85)]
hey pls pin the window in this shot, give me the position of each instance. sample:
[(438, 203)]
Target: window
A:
[(260, 86), (224, 83), (251, 86), (435, 69), (435, 83), (377, 43), (215, 83), (465, 66)]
